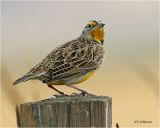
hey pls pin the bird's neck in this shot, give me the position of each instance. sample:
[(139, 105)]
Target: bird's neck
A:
[(96, 35)]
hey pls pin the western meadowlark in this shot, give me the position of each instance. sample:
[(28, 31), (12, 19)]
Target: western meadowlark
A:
[(72, 62)]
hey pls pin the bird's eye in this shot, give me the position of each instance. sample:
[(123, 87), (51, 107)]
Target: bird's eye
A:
[(89, 26)]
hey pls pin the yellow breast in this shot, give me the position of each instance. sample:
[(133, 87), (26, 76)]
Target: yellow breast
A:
[(74, 80), (86, 77)]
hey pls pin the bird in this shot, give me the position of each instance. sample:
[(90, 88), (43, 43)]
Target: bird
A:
[(72, 62)]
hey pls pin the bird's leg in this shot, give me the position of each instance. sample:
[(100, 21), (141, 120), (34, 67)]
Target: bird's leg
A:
[(81, 90), (52, 87)]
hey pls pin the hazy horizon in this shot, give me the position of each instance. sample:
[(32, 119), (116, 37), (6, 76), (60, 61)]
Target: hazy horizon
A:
[(129, 74)]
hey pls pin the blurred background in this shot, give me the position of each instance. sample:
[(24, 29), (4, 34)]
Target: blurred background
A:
[(31, 30)]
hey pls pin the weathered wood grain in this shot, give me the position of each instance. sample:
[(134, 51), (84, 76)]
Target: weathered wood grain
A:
[(66, 111)]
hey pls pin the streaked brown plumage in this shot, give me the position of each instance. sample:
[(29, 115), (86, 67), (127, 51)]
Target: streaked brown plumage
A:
[(72, 62)]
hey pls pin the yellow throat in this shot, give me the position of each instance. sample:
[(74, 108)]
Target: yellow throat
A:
[(97, 35)]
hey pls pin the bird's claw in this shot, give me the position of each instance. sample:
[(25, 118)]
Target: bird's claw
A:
[(60, 95), (83, 93)]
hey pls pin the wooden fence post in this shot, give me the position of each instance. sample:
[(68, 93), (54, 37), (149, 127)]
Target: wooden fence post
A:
[(66, 111)]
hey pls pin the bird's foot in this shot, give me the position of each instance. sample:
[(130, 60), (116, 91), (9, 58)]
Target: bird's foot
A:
[(60, 95), (83, 93), (76, 94)]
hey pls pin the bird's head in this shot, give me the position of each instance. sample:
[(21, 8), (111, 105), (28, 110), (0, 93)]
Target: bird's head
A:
[(94, 31)]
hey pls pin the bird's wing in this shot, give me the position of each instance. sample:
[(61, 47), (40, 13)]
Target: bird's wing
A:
[(75, 58)]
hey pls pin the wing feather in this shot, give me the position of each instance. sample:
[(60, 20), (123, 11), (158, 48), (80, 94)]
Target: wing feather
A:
[(78, 58), (71, 59)]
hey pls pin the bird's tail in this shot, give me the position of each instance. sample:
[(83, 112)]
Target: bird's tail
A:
[(28, 77), (23, 79)]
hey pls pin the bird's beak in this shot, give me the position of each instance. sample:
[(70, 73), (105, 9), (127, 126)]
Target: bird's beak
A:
[(101, 24)]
